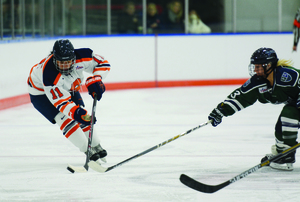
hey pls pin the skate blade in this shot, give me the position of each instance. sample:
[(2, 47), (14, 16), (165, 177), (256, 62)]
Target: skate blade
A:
[(284, 167)]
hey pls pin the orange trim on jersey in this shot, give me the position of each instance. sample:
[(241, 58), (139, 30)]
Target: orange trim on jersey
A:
[(70, 132), (98, 61), (57, 79), (66, 122), (61, 100), (46, 62), (104, 62), (296, 23), (30, 80), (84, 60), (32, 68), (63, 107), (102, 69)]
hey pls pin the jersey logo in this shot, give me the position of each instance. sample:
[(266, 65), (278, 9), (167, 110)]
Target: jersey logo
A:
[(263, 89), (76, 85), (79, 67), (286, 77), (247, 83)]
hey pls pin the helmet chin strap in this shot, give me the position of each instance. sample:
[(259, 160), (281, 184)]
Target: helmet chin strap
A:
[(269, 71)]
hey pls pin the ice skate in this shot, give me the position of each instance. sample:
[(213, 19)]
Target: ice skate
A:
[(285, 163), (100, 152), (94, 156)]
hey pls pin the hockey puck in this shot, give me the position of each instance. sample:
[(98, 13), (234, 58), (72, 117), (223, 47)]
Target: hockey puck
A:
[(70, 169)]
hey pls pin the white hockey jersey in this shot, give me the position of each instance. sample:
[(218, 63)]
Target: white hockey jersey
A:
[(44, 78)]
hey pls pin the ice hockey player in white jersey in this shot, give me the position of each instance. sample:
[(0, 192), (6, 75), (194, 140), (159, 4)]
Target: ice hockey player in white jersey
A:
[(296, 30), (54, 85)]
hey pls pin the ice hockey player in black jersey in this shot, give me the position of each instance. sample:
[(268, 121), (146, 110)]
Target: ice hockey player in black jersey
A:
[(272, 81), (54, 85)]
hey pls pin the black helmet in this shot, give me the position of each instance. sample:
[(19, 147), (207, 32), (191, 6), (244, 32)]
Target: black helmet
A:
[(63, 50), (264, 56)]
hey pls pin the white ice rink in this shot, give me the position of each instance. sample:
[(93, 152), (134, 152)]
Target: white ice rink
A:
[(34, 154)]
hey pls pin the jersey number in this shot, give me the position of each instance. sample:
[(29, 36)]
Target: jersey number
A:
[(233, 95), (57, 91)]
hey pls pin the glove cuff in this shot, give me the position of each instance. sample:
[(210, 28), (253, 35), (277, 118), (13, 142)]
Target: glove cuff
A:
[(92, 79), (219, 112), (73, 111)]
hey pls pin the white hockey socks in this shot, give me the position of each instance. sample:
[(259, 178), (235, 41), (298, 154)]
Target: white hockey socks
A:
[(72, 131), (96, 143), (95, 140)]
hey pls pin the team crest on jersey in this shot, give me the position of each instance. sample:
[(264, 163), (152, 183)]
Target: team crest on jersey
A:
[(76, 85), (263, 89), (286, 77), (247, 83), (79, 67)]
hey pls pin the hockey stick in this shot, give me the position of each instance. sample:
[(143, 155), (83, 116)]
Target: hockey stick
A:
[(85, 168), (101, 169), (190, 182)]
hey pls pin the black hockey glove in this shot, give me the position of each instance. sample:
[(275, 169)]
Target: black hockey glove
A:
[(95, 85), (216, 115)]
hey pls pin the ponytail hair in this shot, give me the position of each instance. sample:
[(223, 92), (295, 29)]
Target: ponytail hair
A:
[(283, 62)]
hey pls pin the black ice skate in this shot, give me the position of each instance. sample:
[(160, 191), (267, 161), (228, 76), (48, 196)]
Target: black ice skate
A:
[(94, 155), (100, 152), (285, 163)]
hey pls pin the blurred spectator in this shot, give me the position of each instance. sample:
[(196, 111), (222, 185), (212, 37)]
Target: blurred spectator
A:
[(128, 21), (8, 22), (296, 29), (153, 19), (173, 17), (196, 25)]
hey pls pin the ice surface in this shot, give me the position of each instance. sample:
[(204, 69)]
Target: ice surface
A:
[(34, 154)]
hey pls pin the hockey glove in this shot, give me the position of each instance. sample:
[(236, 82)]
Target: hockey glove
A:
[(80, 115), (95, 85), (216, 115)]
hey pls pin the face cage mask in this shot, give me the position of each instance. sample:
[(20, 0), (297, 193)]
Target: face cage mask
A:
[(64, 71), (251, 71)]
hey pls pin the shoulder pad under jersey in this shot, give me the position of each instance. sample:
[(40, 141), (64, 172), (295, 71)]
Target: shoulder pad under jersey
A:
[(253, 83), (50, 73), (83, 54), (286, 76)]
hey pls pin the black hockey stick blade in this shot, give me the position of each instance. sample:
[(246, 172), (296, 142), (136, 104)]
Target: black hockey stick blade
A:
[(205, 188), (190, 182)]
